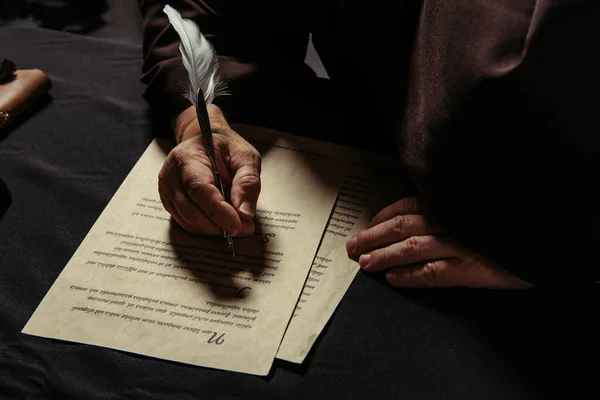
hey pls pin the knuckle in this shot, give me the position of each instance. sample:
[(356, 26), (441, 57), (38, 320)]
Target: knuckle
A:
[(217, 125), (412, 245), (162, 174), (171, 161), (255, 155), (248, 181), (251, 155), (363, 239), (432, 271), (182, 154), (382, 255), (195, 187), (177, 153), (398, 225), (178, 156)]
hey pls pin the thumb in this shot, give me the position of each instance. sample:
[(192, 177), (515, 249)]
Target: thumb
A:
[(245, 185)]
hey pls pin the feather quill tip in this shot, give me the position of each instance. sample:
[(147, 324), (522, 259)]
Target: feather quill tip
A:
[(198, 57)]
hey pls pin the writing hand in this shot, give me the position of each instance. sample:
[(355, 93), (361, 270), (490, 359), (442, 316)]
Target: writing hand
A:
[(415, 254), (186, 182)]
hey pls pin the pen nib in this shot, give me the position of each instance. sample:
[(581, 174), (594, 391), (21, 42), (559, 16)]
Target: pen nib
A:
[(230, 242)]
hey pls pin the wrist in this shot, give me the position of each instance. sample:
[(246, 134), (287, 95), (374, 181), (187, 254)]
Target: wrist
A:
[(216, 117), (185, 125)]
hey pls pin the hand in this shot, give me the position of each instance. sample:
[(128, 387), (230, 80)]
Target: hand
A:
[(186, 184), (414, 253)]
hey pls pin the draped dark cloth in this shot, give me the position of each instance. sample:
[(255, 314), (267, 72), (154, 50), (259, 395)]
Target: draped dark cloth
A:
[(491, 104), (71, 15)]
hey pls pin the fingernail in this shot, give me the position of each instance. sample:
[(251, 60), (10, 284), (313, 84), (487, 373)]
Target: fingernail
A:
[(351, 245), (247, 209), (363, 261)]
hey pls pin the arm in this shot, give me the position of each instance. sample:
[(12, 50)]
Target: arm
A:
[(258, 51)]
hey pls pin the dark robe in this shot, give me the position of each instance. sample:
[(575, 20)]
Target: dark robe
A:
[(492, 105)]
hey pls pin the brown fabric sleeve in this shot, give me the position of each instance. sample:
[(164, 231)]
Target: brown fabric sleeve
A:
[(260, 46), (501, 130)]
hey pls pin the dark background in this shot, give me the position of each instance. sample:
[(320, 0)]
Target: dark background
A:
[(115, 20), (64, 162)]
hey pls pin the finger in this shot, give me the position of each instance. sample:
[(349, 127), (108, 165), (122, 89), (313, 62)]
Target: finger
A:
[(246, 185), (168, 205), (198, 183), (247, 228), (180, 206), (455, 272), (388, 232), (190, 228), (413, 250), (192, 219), (494, 277), (405, 206), (438, 273)]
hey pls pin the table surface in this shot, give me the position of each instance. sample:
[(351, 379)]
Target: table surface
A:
[(66, 160)]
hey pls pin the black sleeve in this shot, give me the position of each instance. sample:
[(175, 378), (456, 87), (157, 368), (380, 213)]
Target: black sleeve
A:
[(260, 45)]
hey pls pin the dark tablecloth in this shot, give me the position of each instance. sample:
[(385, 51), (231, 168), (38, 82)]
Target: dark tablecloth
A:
[(65, 161)]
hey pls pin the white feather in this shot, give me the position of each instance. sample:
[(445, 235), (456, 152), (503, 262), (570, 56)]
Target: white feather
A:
[(198, 56)]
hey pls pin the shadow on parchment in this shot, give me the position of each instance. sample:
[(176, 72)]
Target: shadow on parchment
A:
[(209, 259), (211, 262)]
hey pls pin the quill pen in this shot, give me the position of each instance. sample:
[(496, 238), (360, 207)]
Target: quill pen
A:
[(200, 62)]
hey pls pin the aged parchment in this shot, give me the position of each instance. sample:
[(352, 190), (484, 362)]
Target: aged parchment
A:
[(369, 184), (138, 283)]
